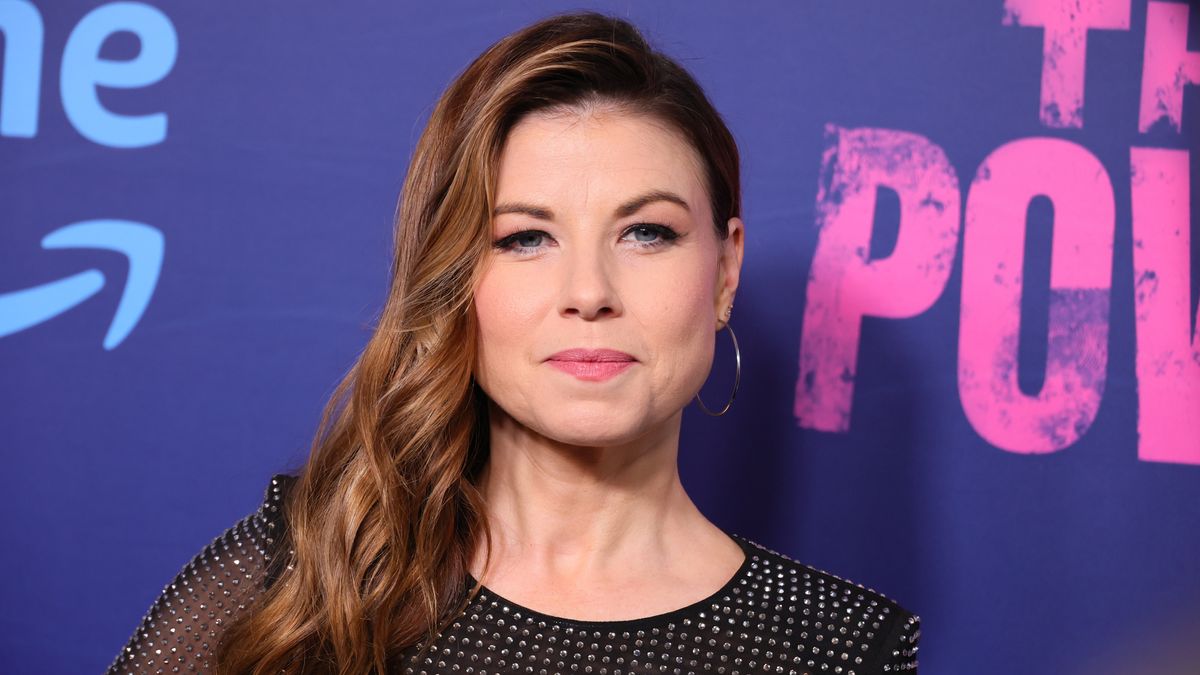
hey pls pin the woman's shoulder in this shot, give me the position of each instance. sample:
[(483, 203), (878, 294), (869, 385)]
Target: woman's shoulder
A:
[(185, 622), (838, 620)]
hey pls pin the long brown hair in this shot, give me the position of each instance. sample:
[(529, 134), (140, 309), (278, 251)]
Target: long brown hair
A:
[(385, 516)]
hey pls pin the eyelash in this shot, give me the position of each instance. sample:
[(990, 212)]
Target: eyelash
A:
[(666, 236)]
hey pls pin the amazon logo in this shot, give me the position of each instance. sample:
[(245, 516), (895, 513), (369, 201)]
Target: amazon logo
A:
[(141, 244), (84, 72)]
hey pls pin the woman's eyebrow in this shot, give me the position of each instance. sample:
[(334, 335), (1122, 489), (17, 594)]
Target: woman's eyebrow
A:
[(634, 205), (628, 208), (532, 210)]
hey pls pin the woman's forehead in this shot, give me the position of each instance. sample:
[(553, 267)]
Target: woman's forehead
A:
[(588, 155)]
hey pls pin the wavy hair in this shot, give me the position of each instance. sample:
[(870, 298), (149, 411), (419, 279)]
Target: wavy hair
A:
[(384, 517)]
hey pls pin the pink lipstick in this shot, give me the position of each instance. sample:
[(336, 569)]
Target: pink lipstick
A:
[(593, 365)]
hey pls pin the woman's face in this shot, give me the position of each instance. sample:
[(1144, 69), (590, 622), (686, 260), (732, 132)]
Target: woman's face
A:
[(603, 240)]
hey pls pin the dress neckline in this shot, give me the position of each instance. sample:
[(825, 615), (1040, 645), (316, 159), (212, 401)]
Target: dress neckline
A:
[(519, 611)]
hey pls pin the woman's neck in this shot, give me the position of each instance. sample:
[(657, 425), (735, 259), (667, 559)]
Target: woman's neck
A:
[(593, 518)]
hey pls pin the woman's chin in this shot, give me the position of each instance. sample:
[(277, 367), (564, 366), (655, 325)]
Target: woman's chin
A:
[(595, 426)]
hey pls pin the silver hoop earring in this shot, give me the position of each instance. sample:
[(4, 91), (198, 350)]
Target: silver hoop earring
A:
[(737, 377)]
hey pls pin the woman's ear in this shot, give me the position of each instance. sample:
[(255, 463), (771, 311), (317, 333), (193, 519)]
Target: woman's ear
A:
[(729, 268)]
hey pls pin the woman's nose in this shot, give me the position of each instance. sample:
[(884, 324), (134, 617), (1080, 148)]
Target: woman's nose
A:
[(588, 288)]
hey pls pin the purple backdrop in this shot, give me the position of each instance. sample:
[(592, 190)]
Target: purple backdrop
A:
[(967, 315)]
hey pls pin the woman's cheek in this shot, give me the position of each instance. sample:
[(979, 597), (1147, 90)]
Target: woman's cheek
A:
[(496, 304), (506, 303), (687, 335)]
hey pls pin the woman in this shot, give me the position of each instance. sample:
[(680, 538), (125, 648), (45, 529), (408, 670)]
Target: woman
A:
[(494, 487)]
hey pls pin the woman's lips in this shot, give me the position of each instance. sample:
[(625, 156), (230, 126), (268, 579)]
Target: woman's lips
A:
[(594, 371), (593, 365)]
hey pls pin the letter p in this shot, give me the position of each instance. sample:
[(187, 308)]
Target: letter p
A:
[(844, 283)]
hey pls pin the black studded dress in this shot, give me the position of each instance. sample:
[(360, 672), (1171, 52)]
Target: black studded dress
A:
[(775, 615)]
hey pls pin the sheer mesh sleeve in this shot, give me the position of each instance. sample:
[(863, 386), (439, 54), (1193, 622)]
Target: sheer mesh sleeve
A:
[(900, 649), (181, 630)]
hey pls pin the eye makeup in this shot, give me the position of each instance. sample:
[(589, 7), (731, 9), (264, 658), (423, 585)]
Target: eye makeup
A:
[(513, 242)]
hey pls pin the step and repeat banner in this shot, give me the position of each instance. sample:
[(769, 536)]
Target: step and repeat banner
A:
[(967, 317)]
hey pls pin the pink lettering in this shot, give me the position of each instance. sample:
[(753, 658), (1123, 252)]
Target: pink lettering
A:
[(1064, 48), (844, 284), (1080, 279), (1168, 353), (1167, 66)]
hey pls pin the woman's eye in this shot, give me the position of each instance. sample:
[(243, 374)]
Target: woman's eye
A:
[(651, 234), (644, 234), (529, 239), (522, 241)]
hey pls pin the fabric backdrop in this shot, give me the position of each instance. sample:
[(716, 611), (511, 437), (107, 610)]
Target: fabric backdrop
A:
[(971, 376)]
